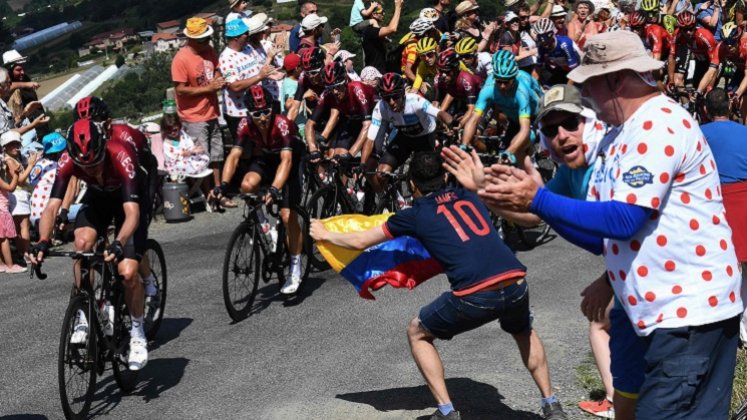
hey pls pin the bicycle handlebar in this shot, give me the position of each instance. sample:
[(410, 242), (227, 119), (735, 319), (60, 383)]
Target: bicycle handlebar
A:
[(36, 268)]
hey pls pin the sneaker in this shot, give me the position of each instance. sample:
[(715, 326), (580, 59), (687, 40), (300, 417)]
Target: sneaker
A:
[(553, 411), (602, 408), (15, 268), (453, 415), (80, 333), (138, 357), (291, 285)]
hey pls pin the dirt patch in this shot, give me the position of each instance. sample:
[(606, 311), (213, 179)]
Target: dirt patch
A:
[(48, 85), (17, 5)]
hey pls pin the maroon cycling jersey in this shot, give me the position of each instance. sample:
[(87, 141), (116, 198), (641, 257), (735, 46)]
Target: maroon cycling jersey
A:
[(464, 89), (702, 44), (304, 84), (283, 136), (118, 171), (130, 135), (358, 103)]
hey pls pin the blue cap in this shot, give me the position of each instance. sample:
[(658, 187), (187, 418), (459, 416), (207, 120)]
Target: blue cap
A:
[(235, 28), (53, 143)]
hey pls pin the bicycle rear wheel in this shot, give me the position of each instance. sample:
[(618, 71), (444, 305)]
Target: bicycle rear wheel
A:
[(76, 363), (322, 204), (125, 378), (157, 264), (241, 271)]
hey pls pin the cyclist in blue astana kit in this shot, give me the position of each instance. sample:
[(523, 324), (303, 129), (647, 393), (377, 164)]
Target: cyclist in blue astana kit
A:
[(511, 92), (413, 118)]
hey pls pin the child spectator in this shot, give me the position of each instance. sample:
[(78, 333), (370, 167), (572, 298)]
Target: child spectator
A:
[(181, 156), (292, 67), (346, 58), (9, 170), (43, 174), (360, 14), (20, 204), (370, 75)]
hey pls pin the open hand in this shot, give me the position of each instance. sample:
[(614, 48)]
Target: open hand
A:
[(466, 167)]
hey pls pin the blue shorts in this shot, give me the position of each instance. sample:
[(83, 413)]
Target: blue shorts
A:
[(450, 315), (627, 352)]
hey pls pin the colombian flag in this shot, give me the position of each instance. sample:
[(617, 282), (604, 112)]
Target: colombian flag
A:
[(399, 262)]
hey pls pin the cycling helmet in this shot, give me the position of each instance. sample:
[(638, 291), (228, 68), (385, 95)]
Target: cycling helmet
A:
[(421, 26), (670, 23), (504, 65), (391, 84), (543, 26), (312, 59), (448, 60), (425, 45), (685, 19), (86, 143), (466, 45), (650, 5), (91, 107), (334, 74), (429, 13), (731, 31), (636, 19), (257, 98)]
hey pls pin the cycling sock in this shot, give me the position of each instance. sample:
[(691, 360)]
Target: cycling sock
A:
[(549, 400), (296, 265), (446, 408), (150, 285), (82, 320), (136, 331)]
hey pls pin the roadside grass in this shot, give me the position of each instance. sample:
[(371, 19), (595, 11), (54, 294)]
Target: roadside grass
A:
[(739, 392)]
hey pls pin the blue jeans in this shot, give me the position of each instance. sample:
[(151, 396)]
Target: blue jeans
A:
[(450, 315)]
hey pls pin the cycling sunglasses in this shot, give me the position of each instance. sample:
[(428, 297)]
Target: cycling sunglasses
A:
[(429, 54), (260, 113), (569, 124), (468, 56), (334, 87), (499, 82), (313, 72)]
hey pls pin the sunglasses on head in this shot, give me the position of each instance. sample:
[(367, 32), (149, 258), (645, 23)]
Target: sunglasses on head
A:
[(569, 124), (524, 17), (260, 113)]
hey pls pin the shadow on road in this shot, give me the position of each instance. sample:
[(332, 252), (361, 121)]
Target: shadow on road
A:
[(24, 417), (474, 400), (170, 329), (158, 376)]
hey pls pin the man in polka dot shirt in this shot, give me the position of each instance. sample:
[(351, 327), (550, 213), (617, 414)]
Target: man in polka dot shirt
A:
[(655, 211)]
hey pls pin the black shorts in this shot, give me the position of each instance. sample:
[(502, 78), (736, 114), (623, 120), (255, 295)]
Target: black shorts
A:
[(100, 208), (401, 147), (267, 165), (346, 133)]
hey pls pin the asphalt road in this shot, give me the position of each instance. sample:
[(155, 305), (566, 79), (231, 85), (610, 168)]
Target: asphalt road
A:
[(332, 356)]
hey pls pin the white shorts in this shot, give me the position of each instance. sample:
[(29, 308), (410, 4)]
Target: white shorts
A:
[(19, 203)]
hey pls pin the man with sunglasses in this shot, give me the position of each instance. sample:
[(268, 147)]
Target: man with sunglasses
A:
[(507, 91), (349, 105), (556, 55), (424, 84), (271, 148), (310, 84), (456, 90), (691, 43)]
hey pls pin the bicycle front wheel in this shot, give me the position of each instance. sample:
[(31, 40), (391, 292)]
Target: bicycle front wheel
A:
[(322, 204), (125, 378), (76, 363), (241, 271), (155, 305)]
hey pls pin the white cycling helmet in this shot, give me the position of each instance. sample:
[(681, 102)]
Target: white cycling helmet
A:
[(421, 26), (429, 13), (543, 26)]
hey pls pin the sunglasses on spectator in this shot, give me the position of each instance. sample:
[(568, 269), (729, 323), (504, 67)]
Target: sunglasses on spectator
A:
[(524, 17), (260, 113), (569, 124), (429, 54)]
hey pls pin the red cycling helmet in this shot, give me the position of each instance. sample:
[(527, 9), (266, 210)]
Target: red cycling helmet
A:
[(685, 19), (312, 59), (86, 143), (91, 107), (637, 19), (257, 98), (448, 60), (391, 85), (334, 74)]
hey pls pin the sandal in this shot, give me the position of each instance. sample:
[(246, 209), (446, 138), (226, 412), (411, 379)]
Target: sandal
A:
[(228, 203)]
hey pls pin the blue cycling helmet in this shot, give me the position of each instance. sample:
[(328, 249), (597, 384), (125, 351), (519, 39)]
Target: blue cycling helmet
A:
[(53, 143), (504, 65)]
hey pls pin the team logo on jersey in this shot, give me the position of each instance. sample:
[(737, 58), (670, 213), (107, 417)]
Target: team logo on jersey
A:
[(638, 176)]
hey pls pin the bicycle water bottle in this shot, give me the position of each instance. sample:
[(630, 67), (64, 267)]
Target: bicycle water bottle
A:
[(107, 318), (273, 237)]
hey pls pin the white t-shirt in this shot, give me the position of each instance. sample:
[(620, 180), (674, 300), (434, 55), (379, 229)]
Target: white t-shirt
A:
[(259, 56), (418, 118), (236, 65), (680, 269), (41, 178), (527, 42)]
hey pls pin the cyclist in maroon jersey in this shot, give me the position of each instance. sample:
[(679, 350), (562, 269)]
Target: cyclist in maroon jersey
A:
[(350, 105), (312, 64), (656, 39), (117, 190), (271, 143), (456, 90), (691, 43)]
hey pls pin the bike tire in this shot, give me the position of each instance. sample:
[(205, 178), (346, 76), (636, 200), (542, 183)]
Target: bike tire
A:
[(125, 378), (157, 263), (321, 205), (241, 271), (76, 363)]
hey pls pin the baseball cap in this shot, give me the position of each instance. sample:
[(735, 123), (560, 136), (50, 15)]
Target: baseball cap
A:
[(53, 143), (560, 98), (236, 28), (509, 16), (291, 61), (312, 21), (610, 52), (9, 137)]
